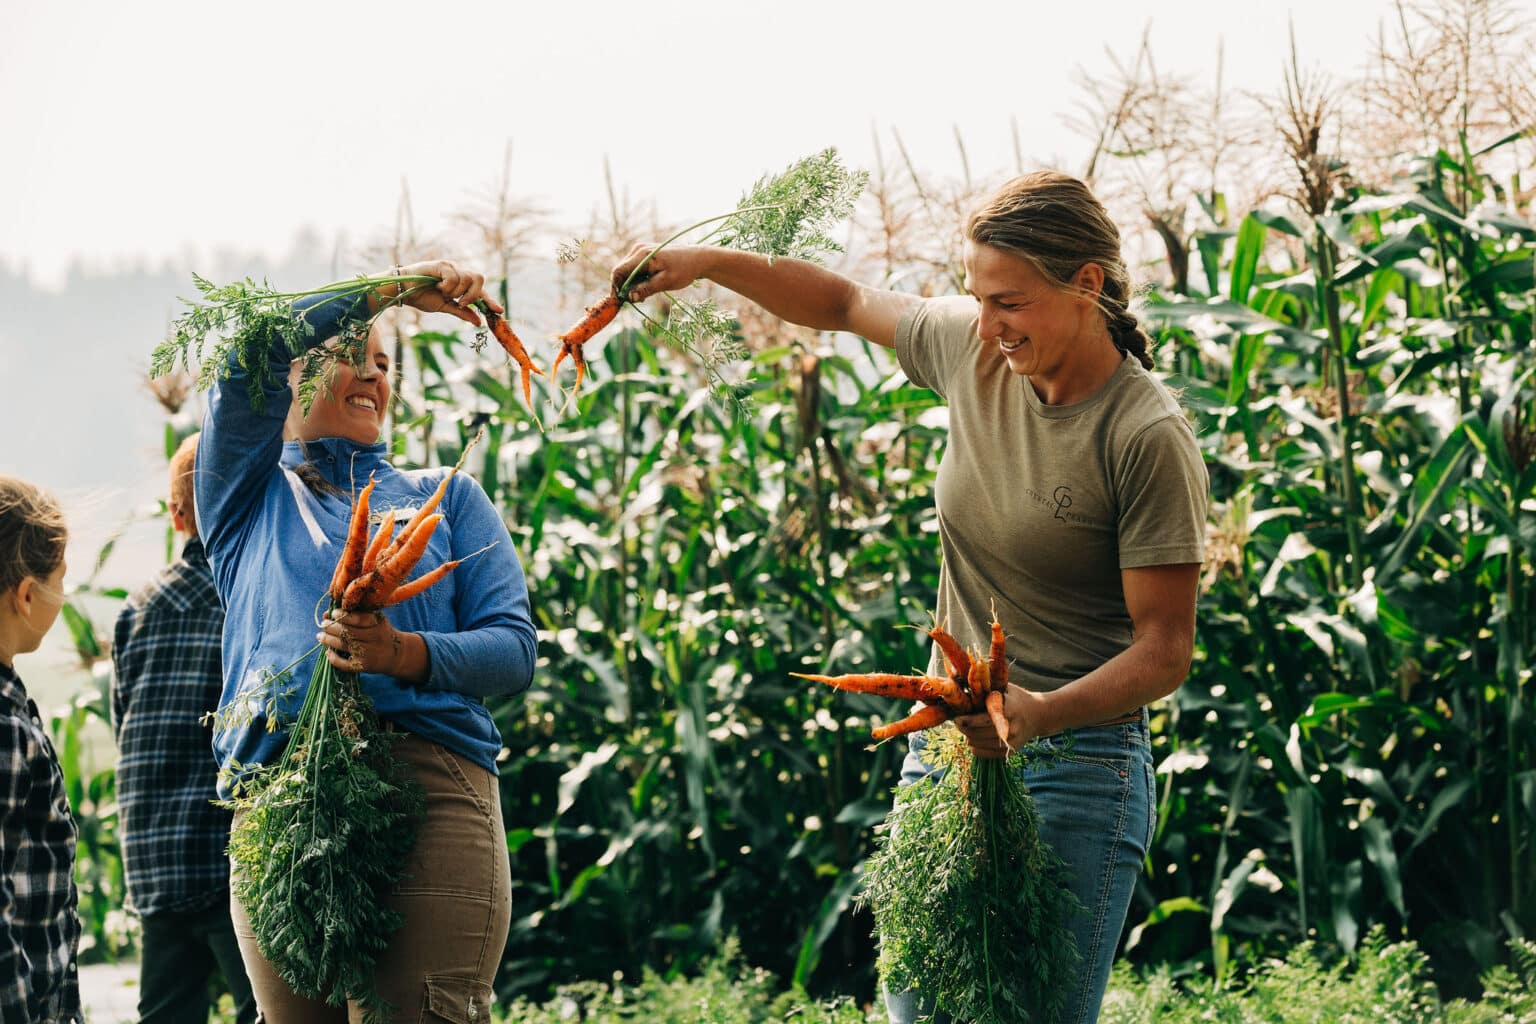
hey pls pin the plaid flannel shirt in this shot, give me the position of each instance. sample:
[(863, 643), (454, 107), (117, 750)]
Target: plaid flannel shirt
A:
[(166, 675), (39, 926)]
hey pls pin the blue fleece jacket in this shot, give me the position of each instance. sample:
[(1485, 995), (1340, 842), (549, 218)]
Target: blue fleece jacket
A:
[(273, 545)]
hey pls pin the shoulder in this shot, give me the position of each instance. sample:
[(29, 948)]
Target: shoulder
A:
[(944, 313), (1141, 402), (181, 587)]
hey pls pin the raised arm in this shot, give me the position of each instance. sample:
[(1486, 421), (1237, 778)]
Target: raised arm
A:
[(794, 290)]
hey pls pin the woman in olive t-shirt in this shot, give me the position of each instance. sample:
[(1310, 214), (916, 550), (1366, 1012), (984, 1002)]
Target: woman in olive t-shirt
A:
[(1072, 493)]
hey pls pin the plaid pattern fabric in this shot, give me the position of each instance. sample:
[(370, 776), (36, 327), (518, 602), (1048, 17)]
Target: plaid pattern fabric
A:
[(39, 926), (166, 676)]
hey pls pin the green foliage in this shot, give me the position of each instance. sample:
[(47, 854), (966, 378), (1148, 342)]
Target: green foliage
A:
[(244, 320), (971, 906), (792, 213), (725, 991), (320, 838)]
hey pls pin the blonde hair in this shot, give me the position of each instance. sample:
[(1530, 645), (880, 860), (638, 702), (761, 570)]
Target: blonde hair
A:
[(1054, 221), (32, 533), (182, 463)]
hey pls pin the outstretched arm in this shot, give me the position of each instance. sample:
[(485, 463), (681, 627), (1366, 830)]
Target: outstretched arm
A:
[(794, 290)]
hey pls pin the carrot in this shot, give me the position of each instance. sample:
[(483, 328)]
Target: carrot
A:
[(999, 656), (959, 661), (999, 720), (574, 351), (371, 591), (351, 560), (406, 591), (948, 691), (514, 347), (598, 315), (386, 531), (416, 520), (883, 684), (978, 682), (917, 721)]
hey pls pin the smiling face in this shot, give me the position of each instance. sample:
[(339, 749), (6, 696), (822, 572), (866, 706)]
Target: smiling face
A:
[(352, 405), (1042, 330)]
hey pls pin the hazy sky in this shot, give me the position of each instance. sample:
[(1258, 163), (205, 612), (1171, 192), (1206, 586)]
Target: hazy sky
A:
[(167, 129)]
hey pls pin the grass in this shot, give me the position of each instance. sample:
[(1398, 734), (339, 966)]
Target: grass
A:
[(1388, 983)]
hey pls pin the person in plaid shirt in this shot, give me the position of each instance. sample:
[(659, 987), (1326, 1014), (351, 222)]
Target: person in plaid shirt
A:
[(166, 675), (39, 926)]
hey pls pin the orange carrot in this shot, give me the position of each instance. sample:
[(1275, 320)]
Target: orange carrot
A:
[(386, 530), (999, 720), (959, 661), (371, 590), (883, 684), (431, 503), (948, 691), (598, 315), (514, 347), (923, 718), (351, 561), (998, 658), (406, 591), (978, 682)]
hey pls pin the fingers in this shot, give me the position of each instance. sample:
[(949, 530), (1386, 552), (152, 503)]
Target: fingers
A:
[(981, 736), (455, 292), (647, 285)]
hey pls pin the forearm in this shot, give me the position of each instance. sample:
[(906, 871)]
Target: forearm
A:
[(1149, 669), (793, 290)]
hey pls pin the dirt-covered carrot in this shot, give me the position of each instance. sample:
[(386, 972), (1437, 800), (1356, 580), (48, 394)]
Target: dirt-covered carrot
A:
[(504, 335), (406, 591), (948, 691), (597, 316), (882, 684), (959, 661), (351, 561), (917, 721)]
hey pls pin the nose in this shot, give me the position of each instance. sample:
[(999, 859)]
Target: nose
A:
[(988, 326)]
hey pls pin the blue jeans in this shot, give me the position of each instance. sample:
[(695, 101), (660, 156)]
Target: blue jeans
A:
[(1097, 810)]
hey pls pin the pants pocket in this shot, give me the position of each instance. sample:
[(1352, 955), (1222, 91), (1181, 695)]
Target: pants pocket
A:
[(459, 1000)]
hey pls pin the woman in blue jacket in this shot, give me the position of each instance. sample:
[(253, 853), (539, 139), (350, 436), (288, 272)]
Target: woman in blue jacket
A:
[(274, 489)]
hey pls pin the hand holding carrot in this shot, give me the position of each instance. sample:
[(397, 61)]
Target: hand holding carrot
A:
[(1021, 709), (368, 642), (455, 291), (674, 268)]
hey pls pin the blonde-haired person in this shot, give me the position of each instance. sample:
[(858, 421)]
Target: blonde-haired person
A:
[(1072, 493), (39, 924), (274, 485), (166, 676)]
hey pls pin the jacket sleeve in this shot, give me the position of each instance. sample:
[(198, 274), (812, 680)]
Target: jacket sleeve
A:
[(492, 650), (240, 444)]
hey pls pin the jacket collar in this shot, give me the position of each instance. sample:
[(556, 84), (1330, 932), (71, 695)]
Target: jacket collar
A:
[(341, 461)]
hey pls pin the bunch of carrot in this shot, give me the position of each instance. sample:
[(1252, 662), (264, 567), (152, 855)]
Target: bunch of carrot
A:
[(597, 316), (973, 684), (371, 575)]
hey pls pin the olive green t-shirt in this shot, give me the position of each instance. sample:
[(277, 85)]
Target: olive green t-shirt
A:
[(1041, 506)]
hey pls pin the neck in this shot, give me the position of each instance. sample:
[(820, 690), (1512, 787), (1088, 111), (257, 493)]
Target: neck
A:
[(1083, 377), (8, 645)]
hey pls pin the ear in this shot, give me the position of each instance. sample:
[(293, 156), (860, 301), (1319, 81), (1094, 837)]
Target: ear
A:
[(178, 517), (1089, 280), (21, 597)]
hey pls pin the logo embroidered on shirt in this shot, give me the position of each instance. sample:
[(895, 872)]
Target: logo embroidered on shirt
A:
[(1063, 497)]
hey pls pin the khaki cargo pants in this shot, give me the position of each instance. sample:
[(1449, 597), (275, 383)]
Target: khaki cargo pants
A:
[(457, 904)]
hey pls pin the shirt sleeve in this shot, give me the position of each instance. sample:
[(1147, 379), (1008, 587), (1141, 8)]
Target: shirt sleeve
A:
[(1163, 494), (934, 338), (492, 651), (240, 442), (15, 785)]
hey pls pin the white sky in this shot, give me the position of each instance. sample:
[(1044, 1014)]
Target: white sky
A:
[(166, 129)]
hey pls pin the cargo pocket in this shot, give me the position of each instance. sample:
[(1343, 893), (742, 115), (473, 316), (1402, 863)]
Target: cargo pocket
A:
[(459, 1000)]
